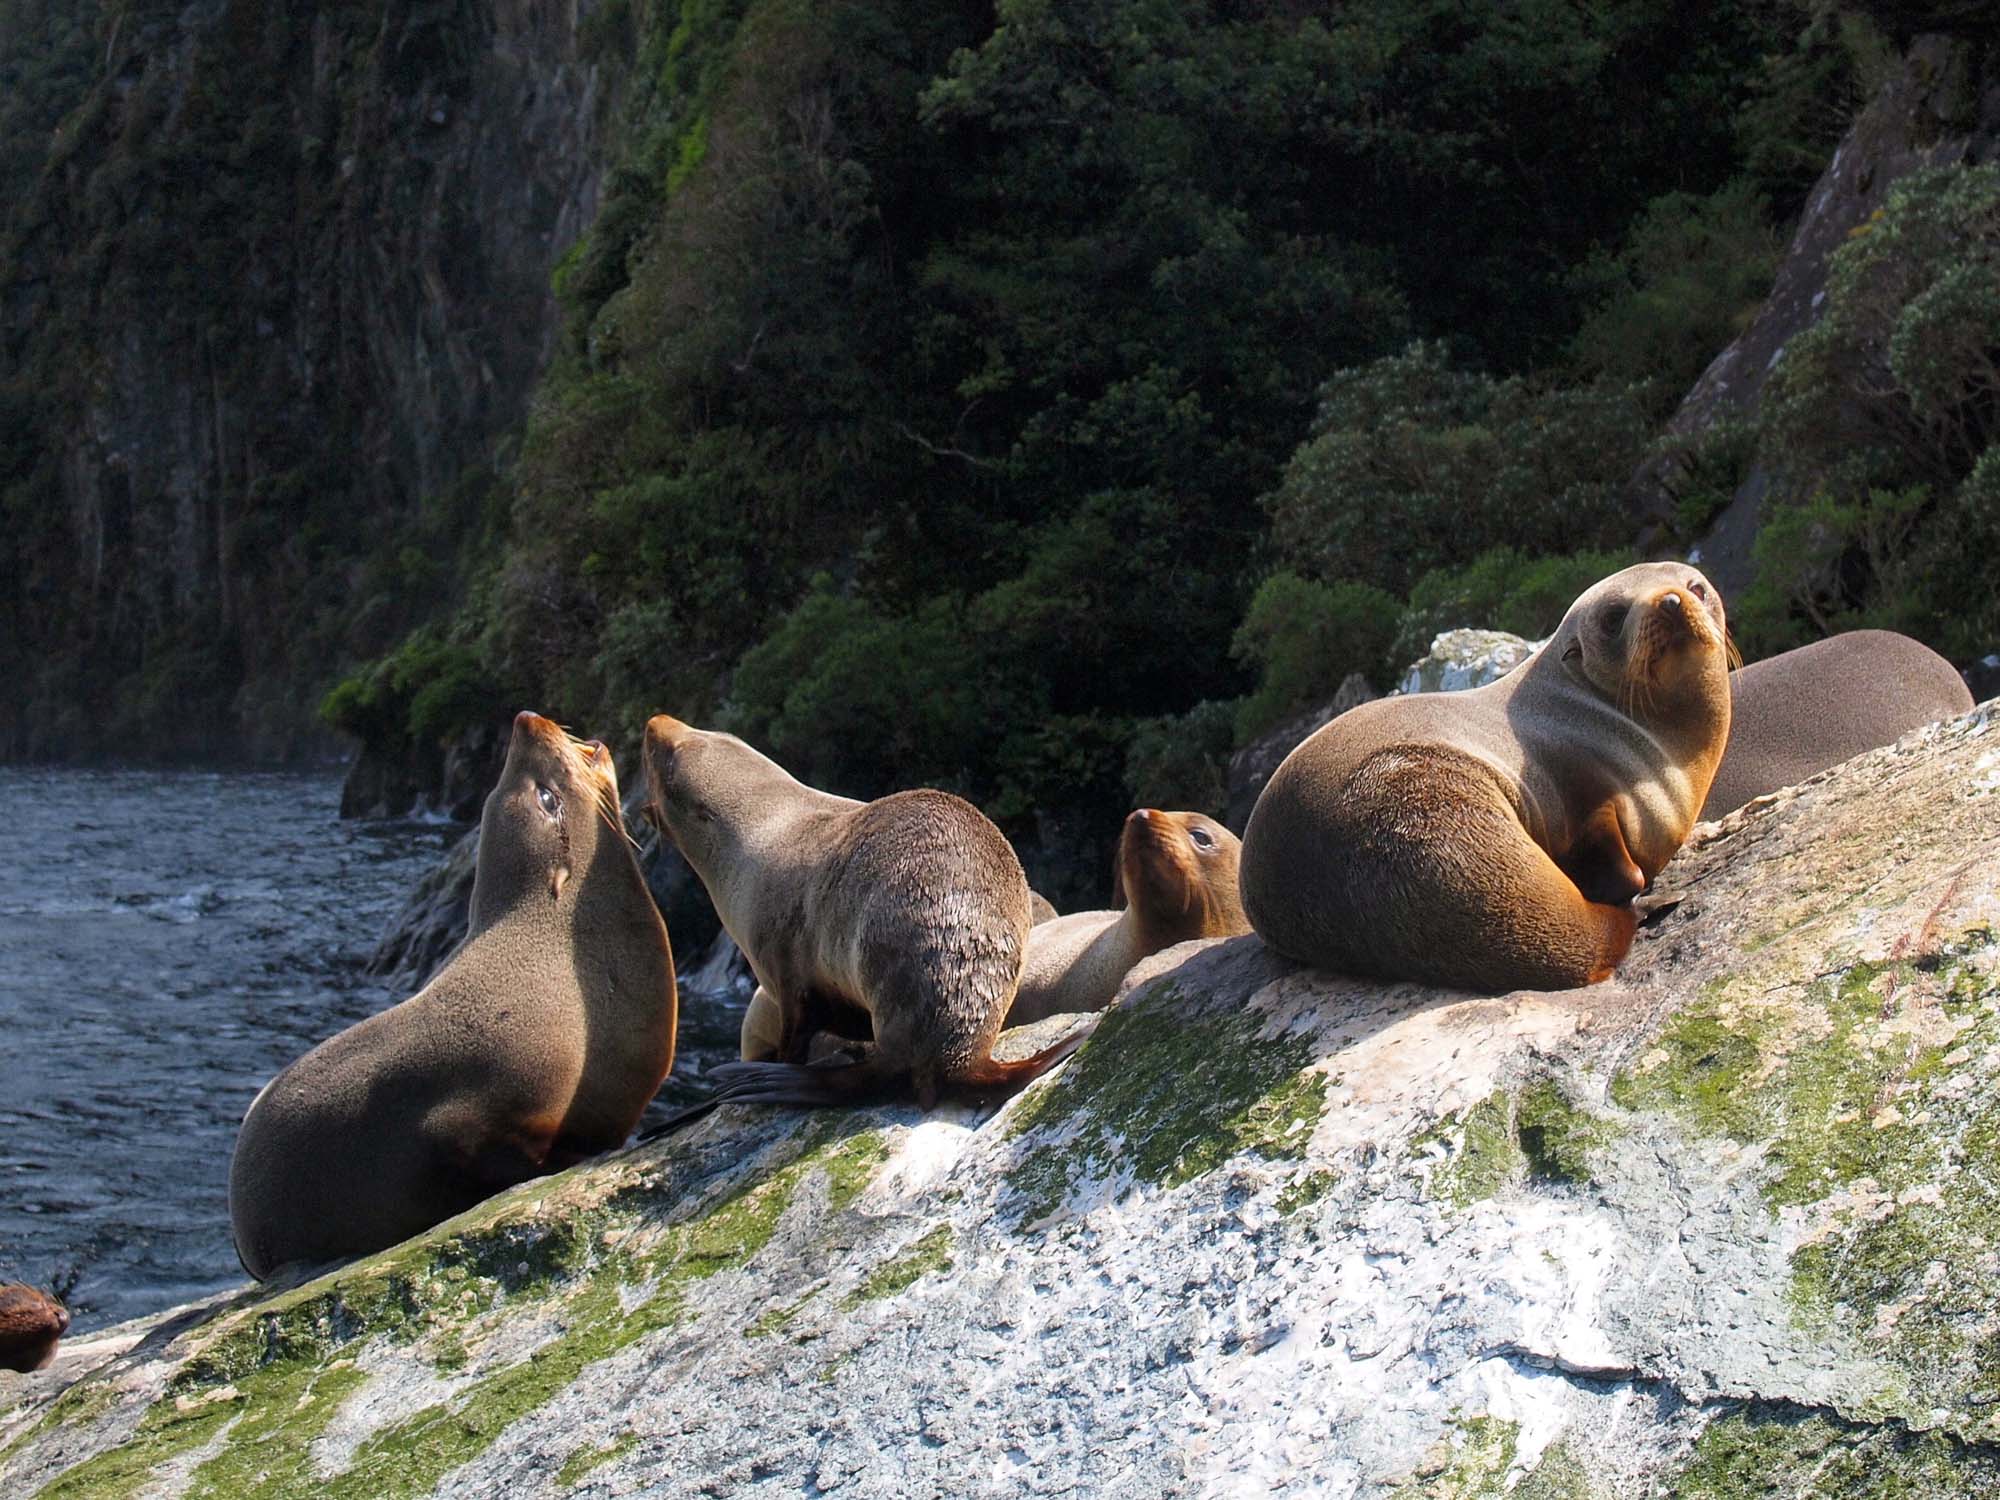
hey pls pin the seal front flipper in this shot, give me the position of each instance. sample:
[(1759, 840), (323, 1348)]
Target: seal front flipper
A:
[(1599, 862)]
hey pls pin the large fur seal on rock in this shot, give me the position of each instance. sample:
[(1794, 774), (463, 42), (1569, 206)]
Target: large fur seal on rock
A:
[(1176, 879), (538, 1044), (1493, 839), (31, 1324), (1796, 714), (911, 909)]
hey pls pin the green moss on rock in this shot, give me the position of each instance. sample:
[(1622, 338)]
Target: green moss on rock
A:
[(1556, 1137), (581, 1462), (1472, 1154), (930, 1253), (1472, 1463), (1875, 1103), (1167, 1097), (1759, 1454)]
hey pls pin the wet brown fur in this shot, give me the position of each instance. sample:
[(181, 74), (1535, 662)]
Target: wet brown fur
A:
[(1798, 713), (538, 1044), (1494, 839), (1171, 889), (32, 1323), (912, 908)]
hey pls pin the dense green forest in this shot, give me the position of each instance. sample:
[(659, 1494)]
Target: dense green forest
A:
[(1041, 400)]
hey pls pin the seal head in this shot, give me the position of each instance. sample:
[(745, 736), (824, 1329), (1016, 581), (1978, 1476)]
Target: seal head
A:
[(31, 1324), (1174, 881)]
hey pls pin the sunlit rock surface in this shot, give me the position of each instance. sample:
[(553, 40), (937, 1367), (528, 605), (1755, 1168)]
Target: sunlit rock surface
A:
[(1727, 1225)]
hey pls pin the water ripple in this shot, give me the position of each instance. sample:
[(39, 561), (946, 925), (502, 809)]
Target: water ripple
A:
[(170, 940)]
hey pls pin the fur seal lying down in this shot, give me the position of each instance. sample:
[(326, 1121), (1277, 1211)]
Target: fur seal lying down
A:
[(538, 1044), (911, 909), (1796, 714), (1175, 879), (1494, 839), (32, 1323)]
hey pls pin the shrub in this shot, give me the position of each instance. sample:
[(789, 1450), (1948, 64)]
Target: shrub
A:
[(1305, 638), (1499, 590), (1181, 761), (1879, 427), (1414, 466), (1690, 276)]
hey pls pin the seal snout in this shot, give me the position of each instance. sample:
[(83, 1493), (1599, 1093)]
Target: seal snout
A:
[(664, 734), (528, 722)]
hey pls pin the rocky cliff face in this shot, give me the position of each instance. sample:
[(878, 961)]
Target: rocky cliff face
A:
[(1942, 108), (1723, 1226), (285, 276)]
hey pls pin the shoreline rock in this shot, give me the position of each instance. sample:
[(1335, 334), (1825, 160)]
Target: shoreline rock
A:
[(1727, 1217)]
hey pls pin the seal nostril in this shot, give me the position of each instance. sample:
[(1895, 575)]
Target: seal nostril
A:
[(1672, 602)]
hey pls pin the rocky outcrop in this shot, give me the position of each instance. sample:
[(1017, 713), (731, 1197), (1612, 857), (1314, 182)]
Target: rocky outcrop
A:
[(1458, 659), (1721, 1226), (1937, 110)]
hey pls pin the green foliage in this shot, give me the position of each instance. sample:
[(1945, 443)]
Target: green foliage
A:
[(848, 697), (1304, 638), (1689, 277), (1177, 761), (1415, 466), (1502, 589), (1880, 426), (424, 692)]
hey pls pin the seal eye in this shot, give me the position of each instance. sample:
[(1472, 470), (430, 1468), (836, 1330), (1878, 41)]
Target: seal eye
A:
[(1613, 619), (1699, 590), (1201, 838), (551, 804)]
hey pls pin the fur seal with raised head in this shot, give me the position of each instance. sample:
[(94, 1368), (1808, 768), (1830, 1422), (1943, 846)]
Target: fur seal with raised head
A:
[(1796, 714), (1174, 877), (1494, 839), (911, 910), (32, 1323), (537, 1045)]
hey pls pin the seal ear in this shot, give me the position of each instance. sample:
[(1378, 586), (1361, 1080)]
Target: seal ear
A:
[(557, 878)]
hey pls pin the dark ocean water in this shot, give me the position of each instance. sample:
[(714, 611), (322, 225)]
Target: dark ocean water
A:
[(168, 941)]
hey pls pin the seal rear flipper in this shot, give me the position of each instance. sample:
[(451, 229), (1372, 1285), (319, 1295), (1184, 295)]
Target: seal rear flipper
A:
[(990, 1076), (863, 1082)]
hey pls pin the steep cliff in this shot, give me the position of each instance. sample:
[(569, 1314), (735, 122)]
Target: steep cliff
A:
[(1720, 1227), (281, 283)]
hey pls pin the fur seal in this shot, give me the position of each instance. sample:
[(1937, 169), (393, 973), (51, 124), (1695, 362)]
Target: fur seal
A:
[(1797, 713), (31, 1324), (537, 1045), (1175, 877), (1493, 839), (909, 914)]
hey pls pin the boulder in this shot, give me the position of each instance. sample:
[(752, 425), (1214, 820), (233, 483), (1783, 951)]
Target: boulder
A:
[(1724, 1225)]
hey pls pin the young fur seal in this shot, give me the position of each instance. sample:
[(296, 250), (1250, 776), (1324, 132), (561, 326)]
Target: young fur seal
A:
[(31, 1324), (1797, 713), (537, 1045), (911, 909), (1176, 879), (1493, 839)]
